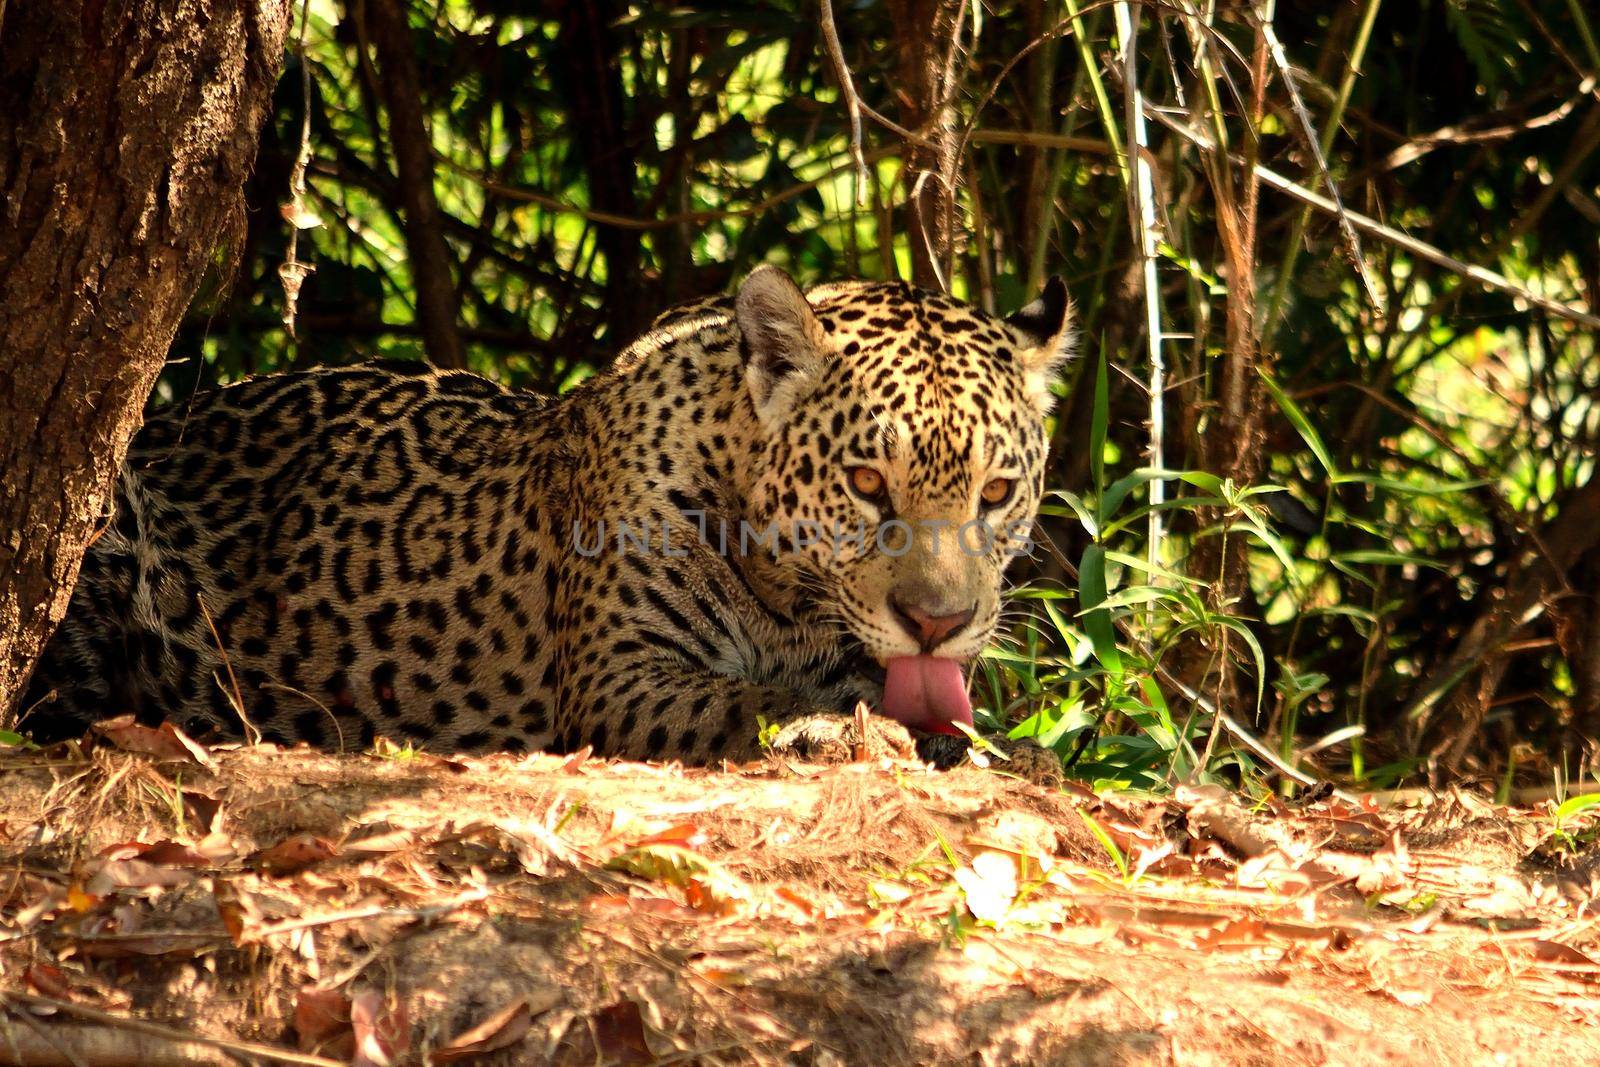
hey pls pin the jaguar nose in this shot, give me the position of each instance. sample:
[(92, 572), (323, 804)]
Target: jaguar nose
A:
[(929, 630)]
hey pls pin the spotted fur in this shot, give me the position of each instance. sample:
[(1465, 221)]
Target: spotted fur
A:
[(391, 551)]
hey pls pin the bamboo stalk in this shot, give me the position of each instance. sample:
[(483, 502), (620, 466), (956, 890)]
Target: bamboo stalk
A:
[(1142, 218)]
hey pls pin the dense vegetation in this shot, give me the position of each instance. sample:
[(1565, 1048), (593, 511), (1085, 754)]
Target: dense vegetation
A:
[(1386, 537)]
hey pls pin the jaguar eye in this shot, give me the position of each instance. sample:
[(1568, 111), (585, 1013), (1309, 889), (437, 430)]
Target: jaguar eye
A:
[(997, 491), (866, 483)]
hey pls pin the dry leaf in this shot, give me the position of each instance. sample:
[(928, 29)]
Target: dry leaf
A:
[(501, 1030), (686, 834), (382, 841), (116, 874), (294, 853), (299, 216), (164, 744), (322, 1022), (48, 980), (707, 887), (806, 905), (238, 910), (990, 885), (203, 808), (574, 761), (619, 1034), (175, 854), (1556, 952), (382, 1030)]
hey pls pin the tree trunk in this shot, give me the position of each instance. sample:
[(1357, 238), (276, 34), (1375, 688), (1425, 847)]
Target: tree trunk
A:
[(588, 75), (925, 61), (1231, 442), (128, 133), (432, 266)]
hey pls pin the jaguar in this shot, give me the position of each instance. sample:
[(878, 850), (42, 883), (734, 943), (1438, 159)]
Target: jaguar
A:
[(773, 506)]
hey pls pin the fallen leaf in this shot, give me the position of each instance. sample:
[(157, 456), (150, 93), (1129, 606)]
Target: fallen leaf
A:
[(652, 905), (1387, 869), (322, 1022), (382, 1030), (989, 885), (80, 901), (1556, 952), (164, 744), (1245, 930), (686, 834), (174, 854), (501, 1030), (807, 906), (180, 943), (48, 980), (238, 910), (661, 863), (381, 842), (294, 853), (619, 1034), (707, 887), (116, 874), (204, 808)]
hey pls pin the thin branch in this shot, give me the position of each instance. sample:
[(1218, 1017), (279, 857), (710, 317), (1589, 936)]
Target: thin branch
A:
[(852, 102), (1319, 156), (1372, 227), (375, 911), (246, 1049), (630, 222), (291, 272), (1467, 133)]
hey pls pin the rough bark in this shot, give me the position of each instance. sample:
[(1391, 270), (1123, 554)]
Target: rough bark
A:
[(1230, 442), (432, 265), (925, 62), (129, 130)]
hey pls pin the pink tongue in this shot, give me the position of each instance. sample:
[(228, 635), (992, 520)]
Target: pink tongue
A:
[(926, 693)]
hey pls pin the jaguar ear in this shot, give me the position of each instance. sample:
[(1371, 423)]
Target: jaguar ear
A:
[(785, 347), (1046, 328)]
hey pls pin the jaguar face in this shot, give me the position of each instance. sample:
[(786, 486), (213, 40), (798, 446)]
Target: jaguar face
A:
[(903, 450)]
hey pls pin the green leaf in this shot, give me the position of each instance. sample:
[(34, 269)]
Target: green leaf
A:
[(1426, 488), (1266, 536), (1090, 524), (1574, 805), (1137, 595), (1398, 559), (1106, 843), (1113, 497), (1144, 566), (1260, 657), (1302, 425), (1049, 725), (1096, 619)]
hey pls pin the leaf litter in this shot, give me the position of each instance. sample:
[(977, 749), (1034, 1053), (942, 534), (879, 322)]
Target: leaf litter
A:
[(165, 903)]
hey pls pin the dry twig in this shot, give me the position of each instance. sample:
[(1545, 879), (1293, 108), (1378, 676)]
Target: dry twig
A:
[(19, 1002), (852, 101)]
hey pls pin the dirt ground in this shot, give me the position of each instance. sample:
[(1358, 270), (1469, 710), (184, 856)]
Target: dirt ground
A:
[(162, 904)]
